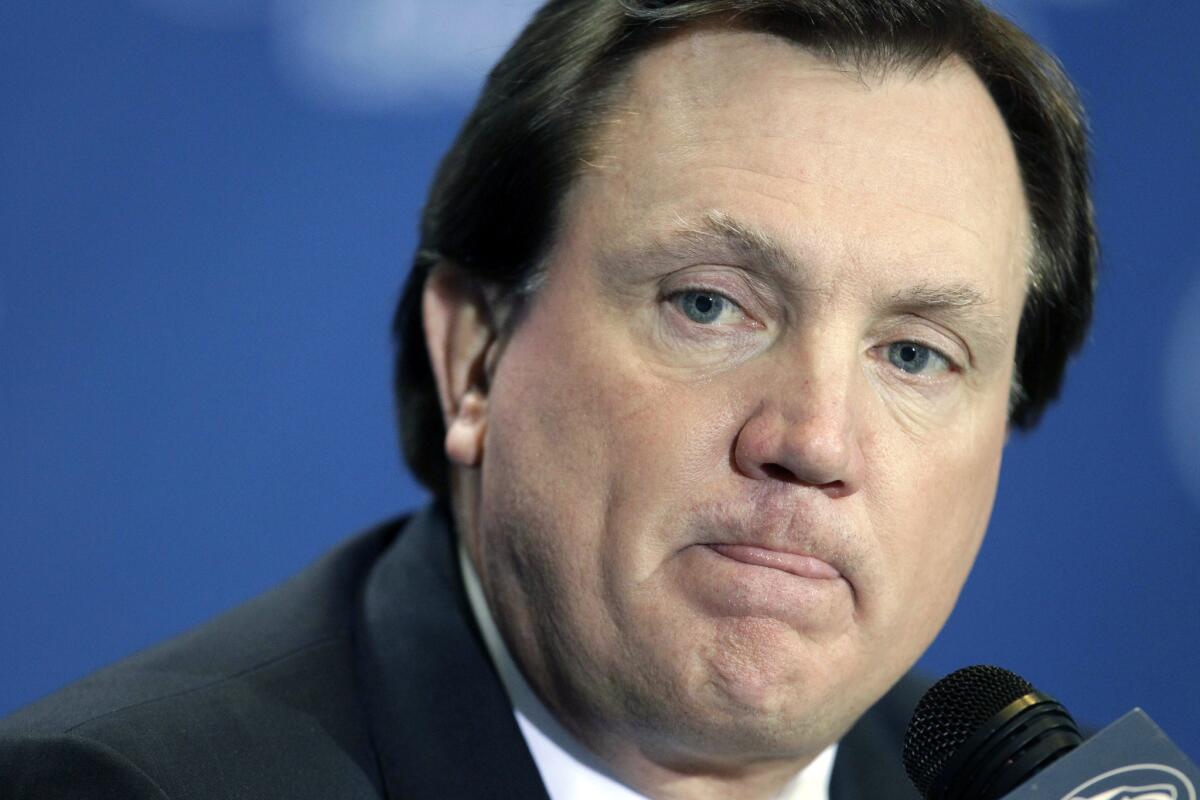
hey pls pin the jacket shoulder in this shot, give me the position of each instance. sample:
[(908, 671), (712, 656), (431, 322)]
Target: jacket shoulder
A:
[(266, 690), (58, 767)]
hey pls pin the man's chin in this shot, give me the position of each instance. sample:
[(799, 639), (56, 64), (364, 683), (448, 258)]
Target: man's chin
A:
[(781, 706), (745, 714), (732, 741)]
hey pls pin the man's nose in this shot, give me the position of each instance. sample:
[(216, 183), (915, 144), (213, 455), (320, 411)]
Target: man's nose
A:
[(808, 436)]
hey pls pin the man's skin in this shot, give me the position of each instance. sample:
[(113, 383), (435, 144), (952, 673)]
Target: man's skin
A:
[(724, 478)]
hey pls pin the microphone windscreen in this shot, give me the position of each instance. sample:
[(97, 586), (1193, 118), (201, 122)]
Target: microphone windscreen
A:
[(967, 732)]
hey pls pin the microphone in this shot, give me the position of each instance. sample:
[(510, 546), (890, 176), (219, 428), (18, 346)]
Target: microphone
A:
[(984, 733)]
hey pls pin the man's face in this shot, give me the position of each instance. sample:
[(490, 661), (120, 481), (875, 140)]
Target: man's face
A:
[(741, 451)]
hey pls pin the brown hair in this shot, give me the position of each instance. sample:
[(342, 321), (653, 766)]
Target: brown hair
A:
[(493, 206)]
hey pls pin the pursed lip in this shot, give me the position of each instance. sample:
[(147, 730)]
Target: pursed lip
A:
[(803, 565)]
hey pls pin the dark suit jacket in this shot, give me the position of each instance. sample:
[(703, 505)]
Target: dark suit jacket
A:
[(363, 677)]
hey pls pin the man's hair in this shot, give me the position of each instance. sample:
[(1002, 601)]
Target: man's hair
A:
[(495, 202)]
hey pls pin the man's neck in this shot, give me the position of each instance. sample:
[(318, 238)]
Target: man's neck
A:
[(571, 770)]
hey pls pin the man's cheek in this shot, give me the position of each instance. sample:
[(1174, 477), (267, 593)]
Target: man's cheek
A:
[(675, 439), (965, 506)]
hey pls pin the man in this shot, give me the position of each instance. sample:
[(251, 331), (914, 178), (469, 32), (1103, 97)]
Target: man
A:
[(720, 320)]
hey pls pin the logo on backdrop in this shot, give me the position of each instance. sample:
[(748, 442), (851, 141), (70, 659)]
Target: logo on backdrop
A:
[(370, 55), (1182, 391), (1136, 782), (378, 55)]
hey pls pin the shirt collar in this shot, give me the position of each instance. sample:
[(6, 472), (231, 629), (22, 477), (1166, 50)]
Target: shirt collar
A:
[(567, 768)]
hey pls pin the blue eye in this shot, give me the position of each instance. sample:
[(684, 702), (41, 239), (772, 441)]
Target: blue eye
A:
[(702, 307), (916, 359)]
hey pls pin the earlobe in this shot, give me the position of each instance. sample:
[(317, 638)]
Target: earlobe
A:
[(465, 432), (459, 335)]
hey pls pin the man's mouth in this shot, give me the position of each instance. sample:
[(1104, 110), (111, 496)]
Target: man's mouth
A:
[(799, 564)]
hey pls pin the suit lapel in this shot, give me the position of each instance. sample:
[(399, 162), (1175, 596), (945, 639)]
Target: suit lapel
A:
[(442, 723)]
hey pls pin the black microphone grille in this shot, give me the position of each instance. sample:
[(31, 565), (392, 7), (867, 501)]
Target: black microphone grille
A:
[(951, 711)]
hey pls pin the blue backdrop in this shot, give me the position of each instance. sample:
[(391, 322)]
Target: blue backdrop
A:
[(207, 211)]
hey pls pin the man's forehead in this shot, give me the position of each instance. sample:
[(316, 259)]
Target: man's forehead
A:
[(696, 60), (702, 73), (696, 103)]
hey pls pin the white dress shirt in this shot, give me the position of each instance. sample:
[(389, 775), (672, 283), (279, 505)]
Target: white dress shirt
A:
[(569, 771)]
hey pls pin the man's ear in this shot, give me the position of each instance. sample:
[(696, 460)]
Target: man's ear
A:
[(460, 334)]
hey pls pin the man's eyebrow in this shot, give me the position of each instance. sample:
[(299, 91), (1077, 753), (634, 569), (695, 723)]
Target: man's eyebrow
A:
[(962, 305), (718, 229), (952, 297), (715, 234)]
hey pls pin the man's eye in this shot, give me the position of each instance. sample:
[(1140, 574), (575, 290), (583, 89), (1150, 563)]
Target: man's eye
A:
[(703, 307), (916, 359)]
